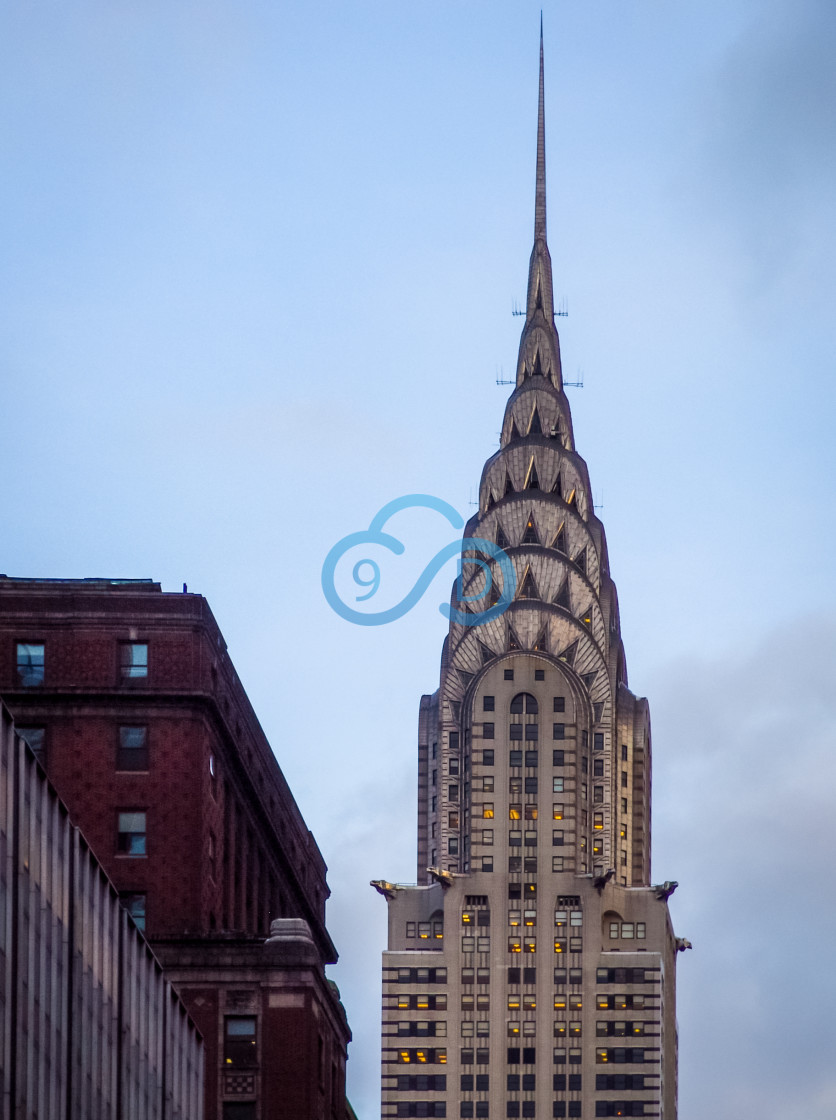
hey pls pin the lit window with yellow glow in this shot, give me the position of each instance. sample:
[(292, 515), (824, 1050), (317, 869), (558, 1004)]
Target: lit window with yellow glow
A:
[(467, 917), (531, 812), (487, 810), (514, 917), (597, 821), (530, 917), (559, 945), (514, 1001), (530, 945), (557, 812), (514, 945), (515, 812)]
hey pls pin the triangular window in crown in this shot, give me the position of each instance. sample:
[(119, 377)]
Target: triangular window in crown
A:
[(456, 707), (528, 588), (538, 299), (491, 501), (532, 482), (572, 499), (598, 712), (487, 654), (562, 598), (589, 678), (530, 535), (558, 486), (513, 640), (586, 618), (535, 428), (568, 654), (515, 431), (501, 539), (466, 678), (541, 644), (580, 560), (509, 486), (538, 368), (493, 595), (559, 540)]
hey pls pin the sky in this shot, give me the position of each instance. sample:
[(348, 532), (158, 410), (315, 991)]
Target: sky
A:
[(257, 267)]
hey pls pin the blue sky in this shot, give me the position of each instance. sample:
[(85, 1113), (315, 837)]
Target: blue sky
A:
[(257, 263)]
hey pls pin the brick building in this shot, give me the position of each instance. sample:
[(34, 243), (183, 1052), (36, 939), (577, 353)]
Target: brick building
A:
[(531, 970), (129, 698)]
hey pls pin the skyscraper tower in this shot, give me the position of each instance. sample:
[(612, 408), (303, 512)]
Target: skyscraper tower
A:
[(531, 972)]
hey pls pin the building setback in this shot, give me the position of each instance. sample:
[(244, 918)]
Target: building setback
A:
[(128, 696), (531, 973), (89, 1026)]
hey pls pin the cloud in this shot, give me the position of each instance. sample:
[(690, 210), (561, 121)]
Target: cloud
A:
[(745, 785)]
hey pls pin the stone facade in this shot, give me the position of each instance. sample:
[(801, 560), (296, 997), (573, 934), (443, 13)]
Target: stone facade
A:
[(89, 1025), (534, 972)]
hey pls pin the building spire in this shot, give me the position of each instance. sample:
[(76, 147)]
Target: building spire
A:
[(540, 191), (540, 298)]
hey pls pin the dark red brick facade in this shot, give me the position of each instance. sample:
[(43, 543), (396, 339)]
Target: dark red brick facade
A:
[(198, 825)]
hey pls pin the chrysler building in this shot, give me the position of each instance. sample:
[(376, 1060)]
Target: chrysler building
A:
[(531, 972)]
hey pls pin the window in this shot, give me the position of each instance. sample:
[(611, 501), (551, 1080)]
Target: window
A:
[(487, 758), (559, 704), (531, 732), (133, 659), (524, 702), (135, 905), (557, 837), (132, 752), (531, 785), (239, 1040), (557, 863), (487, 731), (598, 767), (515, 758), (516, 731), (557, 812), (539, 674), (598, 794), (531, 758), (35, 739), (487, 810), (514, 945), (30, 664), (598, 741), (623, 752), (131, 834), (453, 793), (515, 810), (531, 812), (531, 839), (239, 1110), (487, 861), (487, 703), (597, 821), (509, 674), (453, 767), (453, 846), (558, 730)]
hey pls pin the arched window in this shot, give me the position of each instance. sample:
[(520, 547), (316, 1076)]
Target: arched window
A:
[(524, 702)]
